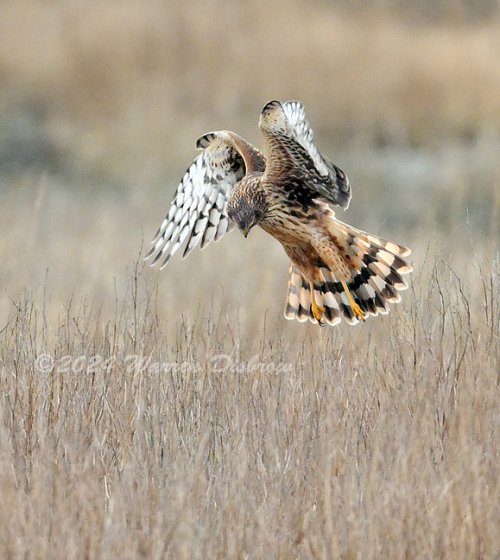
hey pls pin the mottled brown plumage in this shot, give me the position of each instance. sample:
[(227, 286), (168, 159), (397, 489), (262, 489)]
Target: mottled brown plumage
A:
[(336, 270)]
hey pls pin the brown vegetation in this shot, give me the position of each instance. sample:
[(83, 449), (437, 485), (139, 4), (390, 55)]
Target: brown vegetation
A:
[(379, 441)]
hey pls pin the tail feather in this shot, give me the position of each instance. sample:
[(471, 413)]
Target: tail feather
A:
[(375, 282), (298, 303), (299, 299)]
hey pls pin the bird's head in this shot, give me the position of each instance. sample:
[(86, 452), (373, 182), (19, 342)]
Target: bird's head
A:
[(247, 208)]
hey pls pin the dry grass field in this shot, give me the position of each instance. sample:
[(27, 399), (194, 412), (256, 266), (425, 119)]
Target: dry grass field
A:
[(222, 435), (176, 414)]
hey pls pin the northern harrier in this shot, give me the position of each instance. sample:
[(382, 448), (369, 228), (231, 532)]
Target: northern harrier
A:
[(335, 269)]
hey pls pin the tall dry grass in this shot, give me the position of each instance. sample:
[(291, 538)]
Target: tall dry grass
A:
[(210, 437), (179, 415)]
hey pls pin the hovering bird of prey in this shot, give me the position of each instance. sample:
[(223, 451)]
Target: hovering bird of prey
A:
[(335, 270)]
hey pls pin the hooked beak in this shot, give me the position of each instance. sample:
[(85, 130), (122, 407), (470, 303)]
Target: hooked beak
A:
[(245, 232)]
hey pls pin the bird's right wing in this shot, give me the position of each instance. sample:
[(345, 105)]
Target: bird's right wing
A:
[(291, 146), (198, 212)]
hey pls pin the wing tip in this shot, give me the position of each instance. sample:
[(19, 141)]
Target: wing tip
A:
[(270, 105), (294, 103), (205, 140)]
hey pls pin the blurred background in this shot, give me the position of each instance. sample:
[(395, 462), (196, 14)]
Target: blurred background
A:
[(101, 103)]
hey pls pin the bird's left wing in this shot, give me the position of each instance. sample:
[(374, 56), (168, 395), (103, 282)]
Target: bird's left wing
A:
[(198, 212), (291, 145)]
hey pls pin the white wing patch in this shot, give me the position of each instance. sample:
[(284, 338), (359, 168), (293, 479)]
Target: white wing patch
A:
[(303, 134), (198, 211), (293, 139)]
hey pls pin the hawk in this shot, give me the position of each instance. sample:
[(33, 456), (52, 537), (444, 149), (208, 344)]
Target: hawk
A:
[(335, 270)]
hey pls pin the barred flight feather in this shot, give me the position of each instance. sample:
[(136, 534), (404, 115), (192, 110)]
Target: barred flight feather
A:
[(291, 142), (198, 212)]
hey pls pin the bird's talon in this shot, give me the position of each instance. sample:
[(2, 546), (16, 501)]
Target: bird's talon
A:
[(358, 312), (356, 309), (316, 310)]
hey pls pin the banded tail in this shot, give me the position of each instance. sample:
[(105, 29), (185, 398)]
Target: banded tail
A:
[(376, 270)]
